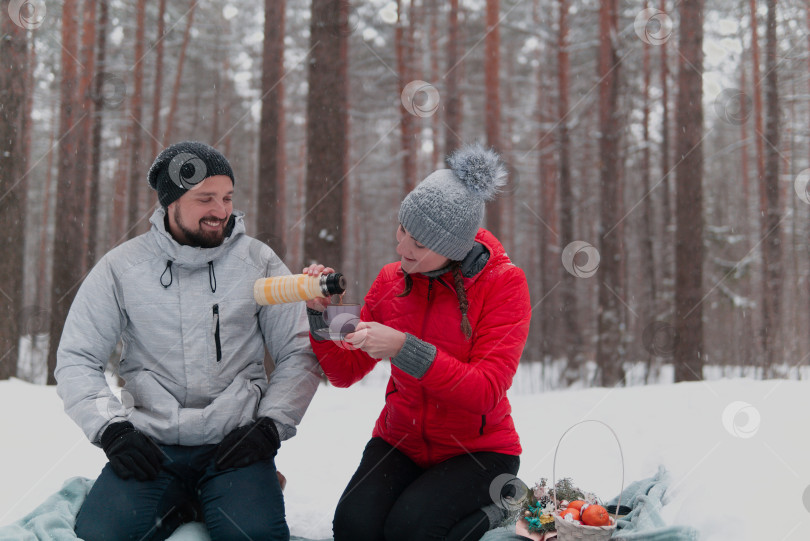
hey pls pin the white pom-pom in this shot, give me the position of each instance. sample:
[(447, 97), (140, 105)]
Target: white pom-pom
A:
[(479, 168)]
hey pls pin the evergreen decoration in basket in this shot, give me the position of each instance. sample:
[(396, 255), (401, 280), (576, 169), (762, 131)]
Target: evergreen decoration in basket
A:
[(538, 509)]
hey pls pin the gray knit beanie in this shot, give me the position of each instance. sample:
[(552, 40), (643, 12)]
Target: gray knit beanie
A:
[(182, 166), (446, 209)]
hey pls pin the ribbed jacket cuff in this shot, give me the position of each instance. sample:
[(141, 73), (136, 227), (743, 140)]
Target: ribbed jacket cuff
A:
[(316, 323), (415, 357)]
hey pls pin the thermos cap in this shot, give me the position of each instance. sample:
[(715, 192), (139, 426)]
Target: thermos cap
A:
[(335, 283)]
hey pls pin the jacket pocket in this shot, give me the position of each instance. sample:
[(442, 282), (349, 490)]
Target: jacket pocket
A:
[(483, 424), (217, 341)]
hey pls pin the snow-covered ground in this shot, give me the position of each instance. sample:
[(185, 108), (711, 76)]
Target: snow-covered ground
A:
[(738, 450)]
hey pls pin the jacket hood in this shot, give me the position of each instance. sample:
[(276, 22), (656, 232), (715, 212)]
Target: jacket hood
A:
[(191, 255)]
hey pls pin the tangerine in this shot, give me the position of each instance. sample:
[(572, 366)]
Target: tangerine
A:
[(570, 511), (576, 504), (596, 515)]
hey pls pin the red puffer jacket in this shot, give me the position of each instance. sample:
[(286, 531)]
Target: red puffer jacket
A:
[(460, 403)]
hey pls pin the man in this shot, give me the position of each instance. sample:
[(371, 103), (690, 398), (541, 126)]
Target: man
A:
[(198, 423)]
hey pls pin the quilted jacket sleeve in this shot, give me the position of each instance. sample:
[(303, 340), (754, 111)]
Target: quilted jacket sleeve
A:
[(343, 366), (92, 329), (296, 375)]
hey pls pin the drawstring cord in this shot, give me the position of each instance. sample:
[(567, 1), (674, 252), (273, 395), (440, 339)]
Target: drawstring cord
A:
[(169, 270), (212, 277)]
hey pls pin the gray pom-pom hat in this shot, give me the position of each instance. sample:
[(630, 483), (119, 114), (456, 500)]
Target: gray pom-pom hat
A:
[(446, 209)]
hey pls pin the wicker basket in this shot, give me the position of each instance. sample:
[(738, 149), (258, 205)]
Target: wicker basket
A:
[(570, 531)]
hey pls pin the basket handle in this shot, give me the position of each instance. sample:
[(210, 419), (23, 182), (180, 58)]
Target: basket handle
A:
[(554, 464)]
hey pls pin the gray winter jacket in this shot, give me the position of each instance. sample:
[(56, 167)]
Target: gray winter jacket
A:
[(193, 341)]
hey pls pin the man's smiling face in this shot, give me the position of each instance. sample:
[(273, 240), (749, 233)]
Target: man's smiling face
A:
[(199, 217)]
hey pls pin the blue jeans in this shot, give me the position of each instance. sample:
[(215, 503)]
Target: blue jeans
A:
[(237, 503)]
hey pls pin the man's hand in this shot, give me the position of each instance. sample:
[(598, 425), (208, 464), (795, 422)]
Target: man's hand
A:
[(248, 444), (376, 339), (131, 452)]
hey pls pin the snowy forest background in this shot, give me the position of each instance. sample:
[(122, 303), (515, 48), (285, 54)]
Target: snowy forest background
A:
[(659, 154)]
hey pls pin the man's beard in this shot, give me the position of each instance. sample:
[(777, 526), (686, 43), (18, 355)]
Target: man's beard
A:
[(200, 238)]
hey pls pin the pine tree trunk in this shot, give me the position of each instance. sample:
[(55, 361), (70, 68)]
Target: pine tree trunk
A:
[(771, 230), (759, 158), (568, 289), (746, 189), (506, 200), (755, 75), (119, 203), (667, 250), (435, 126), (157, 91), (648, 303), (30, 86), (327, 133), (689, 351), (271, 199), (452, 99), (136, 167), (14, 52), (167, 139), (85, 157), (608, 354), (217, 60), (95, 160), (492, 106), (548, 238), (404, 52), (42, 295), (67, 256)]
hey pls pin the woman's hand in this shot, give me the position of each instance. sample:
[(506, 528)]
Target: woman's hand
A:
[(376, 339), (318, 303)]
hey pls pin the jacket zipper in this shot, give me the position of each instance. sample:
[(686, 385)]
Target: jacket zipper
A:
[(424, 395), (483, 424), (216, 333)]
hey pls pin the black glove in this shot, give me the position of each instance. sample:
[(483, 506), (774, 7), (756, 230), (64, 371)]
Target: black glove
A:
[(131, 452), (248, 444)]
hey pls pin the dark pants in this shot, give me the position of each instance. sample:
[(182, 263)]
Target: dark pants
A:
[(241, 503), (390, 498)]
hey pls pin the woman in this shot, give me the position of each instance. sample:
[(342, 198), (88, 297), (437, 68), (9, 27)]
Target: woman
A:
[(452, 316)]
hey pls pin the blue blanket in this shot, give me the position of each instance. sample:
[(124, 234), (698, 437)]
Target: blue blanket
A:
[(644, 522), (55, 517)]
